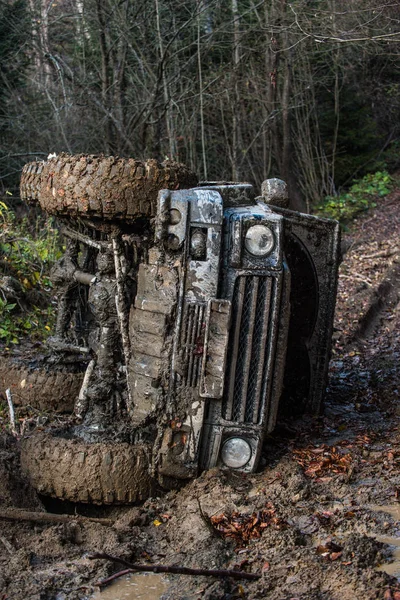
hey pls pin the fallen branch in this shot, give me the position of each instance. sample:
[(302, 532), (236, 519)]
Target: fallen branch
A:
[(174, 569), (104, 582), (14, 514), (81, 403), (207, 521), (358, 277), (11, 411), (381, 254), (122, 309), (7, 545)]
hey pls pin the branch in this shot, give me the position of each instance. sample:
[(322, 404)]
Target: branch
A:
[(20, 154), (14, 514), (381, 254), (395, 36), (104, 582), (12, 413), (174, 569)]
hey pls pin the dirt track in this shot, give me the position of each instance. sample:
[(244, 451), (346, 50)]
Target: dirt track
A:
[(310, 521)]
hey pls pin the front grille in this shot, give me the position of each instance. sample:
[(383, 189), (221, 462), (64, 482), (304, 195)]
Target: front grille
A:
[(249, 350), (192, 343)]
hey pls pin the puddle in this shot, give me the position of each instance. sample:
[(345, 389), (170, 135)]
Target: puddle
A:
[(137, 586), (390, 509), (392, 568)]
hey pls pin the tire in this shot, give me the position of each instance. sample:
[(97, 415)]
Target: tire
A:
[(108, 188), (97, 473), (43, 389)]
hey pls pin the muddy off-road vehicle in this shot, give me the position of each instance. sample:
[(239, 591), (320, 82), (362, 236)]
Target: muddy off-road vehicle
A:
[(198, 311)]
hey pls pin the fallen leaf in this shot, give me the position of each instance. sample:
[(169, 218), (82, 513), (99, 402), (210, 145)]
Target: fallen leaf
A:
[(241, 528), (335, 555), (241, 591)]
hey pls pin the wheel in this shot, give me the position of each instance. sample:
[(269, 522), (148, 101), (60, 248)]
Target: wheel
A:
[(99, 473), (45, 389), (101, 187)]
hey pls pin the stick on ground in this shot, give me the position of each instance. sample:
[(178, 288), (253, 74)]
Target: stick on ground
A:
[(11, 411), (175, 570), (14, 514)]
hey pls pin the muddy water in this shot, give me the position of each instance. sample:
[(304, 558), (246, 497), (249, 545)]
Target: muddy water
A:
[(390, 509), (392, 568), (138, 586)]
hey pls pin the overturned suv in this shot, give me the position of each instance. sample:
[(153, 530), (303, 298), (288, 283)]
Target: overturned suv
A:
[(202, 312)]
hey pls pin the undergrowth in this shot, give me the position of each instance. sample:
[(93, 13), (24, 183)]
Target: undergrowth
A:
[(28, 249), (361, 196)]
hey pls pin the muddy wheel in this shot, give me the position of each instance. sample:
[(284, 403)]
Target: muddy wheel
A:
[(98, 473), (43, 389), (108, 188)]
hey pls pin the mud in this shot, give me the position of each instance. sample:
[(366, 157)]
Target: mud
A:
[(319, 521)]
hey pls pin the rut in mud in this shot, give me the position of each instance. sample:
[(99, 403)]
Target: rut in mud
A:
[(312, 521)]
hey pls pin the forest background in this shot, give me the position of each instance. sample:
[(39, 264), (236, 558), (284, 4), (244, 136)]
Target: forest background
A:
[(306, 90)]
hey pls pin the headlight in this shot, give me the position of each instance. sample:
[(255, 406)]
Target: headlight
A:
[(235, 453), (259, 240)]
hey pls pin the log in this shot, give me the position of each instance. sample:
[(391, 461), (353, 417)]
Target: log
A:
[(16, 514)]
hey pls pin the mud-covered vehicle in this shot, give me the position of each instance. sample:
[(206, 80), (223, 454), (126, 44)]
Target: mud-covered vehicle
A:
[(199, 311)]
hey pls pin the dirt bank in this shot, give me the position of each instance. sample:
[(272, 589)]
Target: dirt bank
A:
[(310, 521)]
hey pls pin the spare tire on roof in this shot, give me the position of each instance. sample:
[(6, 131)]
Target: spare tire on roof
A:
[(107, 188)]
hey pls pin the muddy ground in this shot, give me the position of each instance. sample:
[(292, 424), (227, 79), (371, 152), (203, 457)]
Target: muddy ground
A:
[(312, 522)]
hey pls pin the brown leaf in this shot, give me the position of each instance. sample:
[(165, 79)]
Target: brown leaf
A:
[(335, 555)]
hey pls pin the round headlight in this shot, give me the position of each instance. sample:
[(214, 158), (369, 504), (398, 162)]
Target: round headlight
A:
[(236, 453), (259, 240)]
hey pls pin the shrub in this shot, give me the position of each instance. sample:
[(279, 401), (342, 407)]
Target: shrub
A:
[(361, 196), (27, 252)]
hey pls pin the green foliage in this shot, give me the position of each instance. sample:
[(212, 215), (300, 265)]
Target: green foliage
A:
[(29, 249), (361, 196), (35, 323), (27, 252)]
